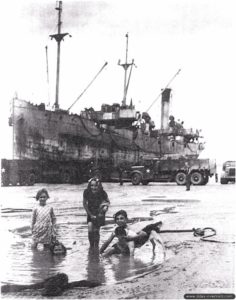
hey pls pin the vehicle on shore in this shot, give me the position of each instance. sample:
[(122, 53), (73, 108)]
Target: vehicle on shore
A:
[(228, 172), (60, 144), (28, 172), (173, 170)]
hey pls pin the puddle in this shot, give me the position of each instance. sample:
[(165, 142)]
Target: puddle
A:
[(24, 266)]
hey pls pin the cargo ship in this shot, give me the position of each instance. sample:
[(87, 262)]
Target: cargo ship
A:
[(117, 133)]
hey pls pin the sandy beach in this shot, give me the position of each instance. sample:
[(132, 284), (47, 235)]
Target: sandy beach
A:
[(197, 267)]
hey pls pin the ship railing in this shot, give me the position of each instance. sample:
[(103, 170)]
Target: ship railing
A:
[(101, 115), (180, 132)]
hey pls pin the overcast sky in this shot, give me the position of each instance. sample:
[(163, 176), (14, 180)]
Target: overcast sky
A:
[(196, 36)]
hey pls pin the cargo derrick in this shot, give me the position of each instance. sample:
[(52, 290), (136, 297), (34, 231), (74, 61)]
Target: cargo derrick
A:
[(117, 135), (113, 131)]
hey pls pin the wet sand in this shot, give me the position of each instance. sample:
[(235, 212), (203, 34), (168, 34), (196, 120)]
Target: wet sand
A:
[(196, 266)]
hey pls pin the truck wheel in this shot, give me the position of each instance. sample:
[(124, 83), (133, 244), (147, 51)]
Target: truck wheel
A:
[(223, 181), (23, 179), (5, 181), (31, 179), (14, 180), (197, 178), (180, 178), (65, 178), (145, 182), (136, 179)]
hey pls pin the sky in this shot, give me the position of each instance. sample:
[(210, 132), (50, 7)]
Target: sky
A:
[(196, 36)]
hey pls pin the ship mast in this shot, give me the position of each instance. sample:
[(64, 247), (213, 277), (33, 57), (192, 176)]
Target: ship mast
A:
[(58, 37), (126, 65)]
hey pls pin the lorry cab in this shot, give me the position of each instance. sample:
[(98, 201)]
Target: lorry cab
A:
[(172, 170), (228, 172), (141, 174)]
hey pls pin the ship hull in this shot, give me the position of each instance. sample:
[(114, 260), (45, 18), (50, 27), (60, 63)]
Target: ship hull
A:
[(57, 135)]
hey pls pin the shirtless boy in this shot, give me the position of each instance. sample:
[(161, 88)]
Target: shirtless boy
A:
[(128, 240)]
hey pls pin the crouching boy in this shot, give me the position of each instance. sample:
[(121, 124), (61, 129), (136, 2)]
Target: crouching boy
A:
[(120, 232), (128, 240)]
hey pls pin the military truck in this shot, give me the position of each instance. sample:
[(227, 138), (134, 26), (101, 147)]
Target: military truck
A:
[(28, 171), (228, 172), (173, 170)]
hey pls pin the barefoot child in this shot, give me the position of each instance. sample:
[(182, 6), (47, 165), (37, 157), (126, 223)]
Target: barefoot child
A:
[(96, 203), (120, 232), (128, 240), (43, 221)]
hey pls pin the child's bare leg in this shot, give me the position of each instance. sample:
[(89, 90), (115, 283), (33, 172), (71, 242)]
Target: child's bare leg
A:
[(96, 238), (131, 248), (109, 252), (93, 235)]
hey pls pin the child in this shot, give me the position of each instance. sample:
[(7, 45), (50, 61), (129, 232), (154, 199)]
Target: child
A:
[(57, 248), (121, 232), (43, 221), (128, 240), (96, 203)]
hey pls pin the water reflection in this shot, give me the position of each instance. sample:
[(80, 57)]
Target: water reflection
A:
[(22, 265), (125, 266), (95, 267), (44, 264)]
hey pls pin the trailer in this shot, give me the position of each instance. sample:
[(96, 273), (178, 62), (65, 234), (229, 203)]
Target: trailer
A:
[(22, 172), (28, 172)]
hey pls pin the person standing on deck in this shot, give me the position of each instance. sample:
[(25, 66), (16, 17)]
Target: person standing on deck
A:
[(96, 203), (43, 221)]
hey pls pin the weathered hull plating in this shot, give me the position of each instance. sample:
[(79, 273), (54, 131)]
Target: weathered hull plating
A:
[(58, 135)]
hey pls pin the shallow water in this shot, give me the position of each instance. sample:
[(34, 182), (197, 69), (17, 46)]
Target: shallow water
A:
[(22, 265)]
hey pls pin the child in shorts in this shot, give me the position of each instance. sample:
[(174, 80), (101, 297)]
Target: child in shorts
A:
[(128, 240), (120, 232)]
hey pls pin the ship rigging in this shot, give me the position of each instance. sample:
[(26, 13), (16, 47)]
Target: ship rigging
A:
[(58, 37), (117, 133)]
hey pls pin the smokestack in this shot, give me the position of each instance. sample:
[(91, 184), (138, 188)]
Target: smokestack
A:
[(165, 106)]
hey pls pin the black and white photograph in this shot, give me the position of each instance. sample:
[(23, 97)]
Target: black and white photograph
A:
[(118, 149)]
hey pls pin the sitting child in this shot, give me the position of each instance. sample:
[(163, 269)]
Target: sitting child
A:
[(121, 232), (128, 240)]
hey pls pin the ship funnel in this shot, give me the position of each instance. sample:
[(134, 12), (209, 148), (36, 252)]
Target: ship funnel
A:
[(165, 107)]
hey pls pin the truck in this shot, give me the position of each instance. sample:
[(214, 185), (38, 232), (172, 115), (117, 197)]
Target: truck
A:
[(173, 170), (28, 171), (228, 172)]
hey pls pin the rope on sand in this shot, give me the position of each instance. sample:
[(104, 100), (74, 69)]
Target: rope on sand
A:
[(199, 232)]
